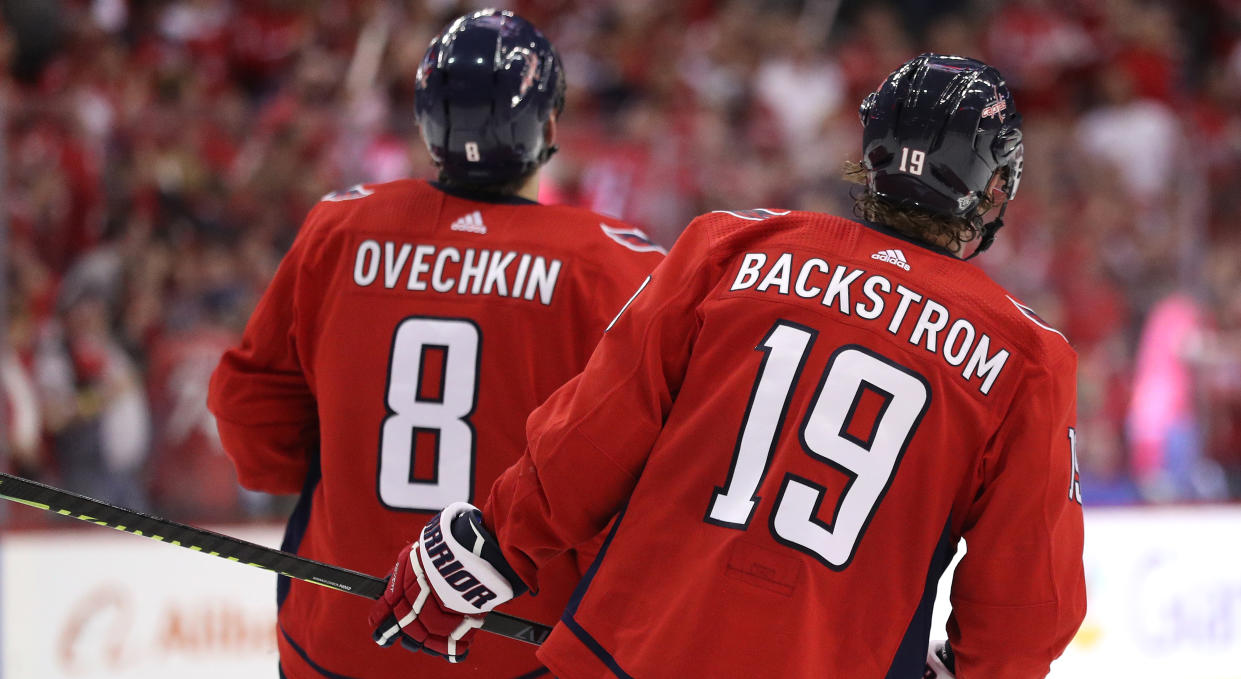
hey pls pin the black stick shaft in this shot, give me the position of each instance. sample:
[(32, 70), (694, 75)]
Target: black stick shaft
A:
[(47, 498)]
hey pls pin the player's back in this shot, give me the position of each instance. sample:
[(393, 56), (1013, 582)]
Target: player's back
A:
[(825, 452), (428, 325)]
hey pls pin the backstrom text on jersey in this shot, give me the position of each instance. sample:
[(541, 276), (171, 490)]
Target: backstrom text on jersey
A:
[(961, 345)]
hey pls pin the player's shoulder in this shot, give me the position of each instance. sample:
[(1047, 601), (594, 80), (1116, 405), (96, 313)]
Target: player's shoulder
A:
[(585, 228), (1056, 344), (360, 206), (371, 196), (340, 204), (733, 231), (1043, 343), (721, 223)]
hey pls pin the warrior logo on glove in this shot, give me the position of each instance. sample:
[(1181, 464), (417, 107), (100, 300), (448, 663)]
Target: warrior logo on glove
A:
[(441, 556), (443, 584)]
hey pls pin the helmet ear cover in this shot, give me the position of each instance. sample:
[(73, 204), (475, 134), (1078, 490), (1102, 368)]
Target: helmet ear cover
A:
[(1009, 152), (868, 104)]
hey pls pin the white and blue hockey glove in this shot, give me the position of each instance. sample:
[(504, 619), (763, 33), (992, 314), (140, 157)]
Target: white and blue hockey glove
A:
[(443, 585)]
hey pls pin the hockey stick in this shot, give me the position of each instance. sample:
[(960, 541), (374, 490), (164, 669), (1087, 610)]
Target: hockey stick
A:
[(63, 502)]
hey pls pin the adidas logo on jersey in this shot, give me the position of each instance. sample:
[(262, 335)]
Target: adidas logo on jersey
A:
[(472, 222), (892, 257)]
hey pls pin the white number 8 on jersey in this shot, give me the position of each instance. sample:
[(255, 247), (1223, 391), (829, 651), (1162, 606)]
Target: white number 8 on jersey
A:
[(444, 415)]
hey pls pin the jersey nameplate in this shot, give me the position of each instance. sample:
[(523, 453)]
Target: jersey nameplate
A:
[(935, 328), (460, 271)]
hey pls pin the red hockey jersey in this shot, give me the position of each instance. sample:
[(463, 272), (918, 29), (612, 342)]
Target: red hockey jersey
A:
[(388, 371), (796, 421)]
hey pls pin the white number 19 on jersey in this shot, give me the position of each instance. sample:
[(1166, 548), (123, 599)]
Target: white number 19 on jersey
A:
[(870, 459)]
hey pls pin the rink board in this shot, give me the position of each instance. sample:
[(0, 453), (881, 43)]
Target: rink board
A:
[(92, 603), (81, 603)]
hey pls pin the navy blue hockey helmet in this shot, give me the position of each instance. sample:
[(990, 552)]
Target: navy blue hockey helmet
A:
[(485, 90), (936, 131)]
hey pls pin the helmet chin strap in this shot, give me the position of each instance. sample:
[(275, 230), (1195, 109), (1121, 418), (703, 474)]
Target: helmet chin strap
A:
[(988, 232)]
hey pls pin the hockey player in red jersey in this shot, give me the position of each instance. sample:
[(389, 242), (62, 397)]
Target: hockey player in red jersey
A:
[(389, 368), (794, 424)]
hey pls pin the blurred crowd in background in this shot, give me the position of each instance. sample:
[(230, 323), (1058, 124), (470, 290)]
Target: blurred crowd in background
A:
[(161, 154)]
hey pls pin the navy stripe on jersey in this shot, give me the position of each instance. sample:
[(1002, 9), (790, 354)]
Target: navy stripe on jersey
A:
[(541, 672), (313, 665), (295, 530), (574, 601), (910, 658)]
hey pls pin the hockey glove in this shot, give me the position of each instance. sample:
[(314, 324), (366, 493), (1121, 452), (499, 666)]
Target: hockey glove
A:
[(443, 585), (939, 662)]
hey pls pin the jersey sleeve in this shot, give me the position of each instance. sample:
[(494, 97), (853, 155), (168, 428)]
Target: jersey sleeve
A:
[(264, 408), (1018, 595), (602, 424)]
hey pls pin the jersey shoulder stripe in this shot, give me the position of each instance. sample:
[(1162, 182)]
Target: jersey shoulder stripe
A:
[(1035, 318), (632, 237)]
